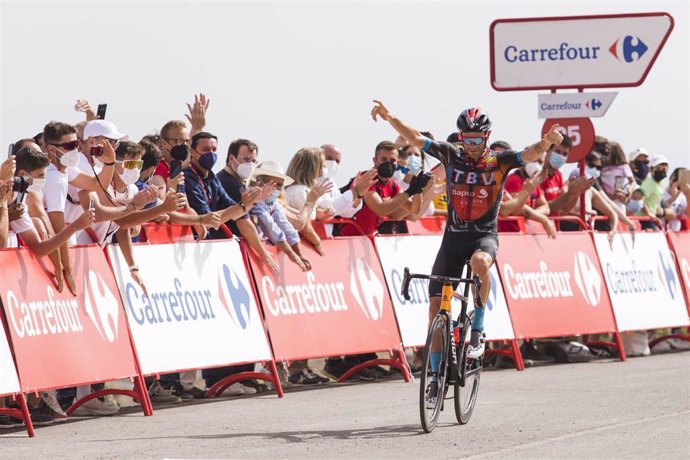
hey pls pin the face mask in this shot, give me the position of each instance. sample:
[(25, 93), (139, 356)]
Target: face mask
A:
[(70, 159), (130, 176), (274, 196), (659, 175), (36, 185), (642, 169), (532, 169), (594, 173), (414, 164), (399, 175), (324, 172), (332, 168), (556, 160), (385, 170), (244, 170), (635, 206), (207, 160)]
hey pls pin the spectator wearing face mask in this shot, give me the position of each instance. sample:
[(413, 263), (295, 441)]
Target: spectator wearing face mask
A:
[(639, 164), (653, 189), (616, 176), (675, 200)]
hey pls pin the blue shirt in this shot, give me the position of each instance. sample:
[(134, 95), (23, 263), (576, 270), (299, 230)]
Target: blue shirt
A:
[(273, 224), (206, 194)]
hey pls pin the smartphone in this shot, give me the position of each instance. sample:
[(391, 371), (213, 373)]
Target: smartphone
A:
[(9, 150), (176, 170), (684, 176), (100, 113), (619, 183)]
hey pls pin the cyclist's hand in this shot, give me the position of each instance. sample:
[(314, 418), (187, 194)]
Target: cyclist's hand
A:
[(418, 183), (554, 136)]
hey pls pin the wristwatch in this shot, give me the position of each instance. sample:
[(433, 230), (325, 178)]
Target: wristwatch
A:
[(134, 268)]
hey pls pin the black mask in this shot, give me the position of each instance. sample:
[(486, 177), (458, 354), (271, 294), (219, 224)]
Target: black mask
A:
[(386, 170), (642, 169), (659, 175)]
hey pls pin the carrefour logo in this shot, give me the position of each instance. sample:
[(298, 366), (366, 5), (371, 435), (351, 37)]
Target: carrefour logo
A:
[(593, 104), (101, 306), (367, 289), (234, 296), (667, 276), (628, 49), (587, 278)]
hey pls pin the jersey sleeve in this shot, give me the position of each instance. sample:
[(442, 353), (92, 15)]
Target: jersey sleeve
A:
[(442, 151), (509, 159)]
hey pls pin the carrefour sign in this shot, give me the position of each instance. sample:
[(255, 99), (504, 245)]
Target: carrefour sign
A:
[(577, 51)]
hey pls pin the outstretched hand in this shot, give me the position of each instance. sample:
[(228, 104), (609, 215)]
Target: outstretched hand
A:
[(197, 112), (381, 111)]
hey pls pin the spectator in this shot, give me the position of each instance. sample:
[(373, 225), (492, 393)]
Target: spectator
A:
[(617, 177), (675, 200), (653, 190), (639, 164), (385, 197), (270, 215)]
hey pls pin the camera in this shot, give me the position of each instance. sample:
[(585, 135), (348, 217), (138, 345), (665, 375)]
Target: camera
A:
[(20, 184), (96, 150)]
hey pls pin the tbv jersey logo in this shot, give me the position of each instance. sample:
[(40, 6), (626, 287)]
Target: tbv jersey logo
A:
[(587, 278), (234, 296), (367, 289), (628, 49), (666, 275), (101, 306)]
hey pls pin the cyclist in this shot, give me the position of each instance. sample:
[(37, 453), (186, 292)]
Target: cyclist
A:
[(474, 184)]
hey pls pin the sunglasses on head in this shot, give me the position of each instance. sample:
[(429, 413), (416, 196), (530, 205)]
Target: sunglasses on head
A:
[(472, 140), (67, 145)]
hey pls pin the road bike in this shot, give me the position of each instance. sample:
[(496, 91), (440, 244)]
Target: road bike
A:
[(452, 337)]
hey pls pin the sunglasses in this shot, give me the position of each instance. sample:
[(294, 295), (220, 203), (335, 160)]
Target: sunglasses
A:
[(67, 145), (178, 141), (132, 164), (472, 140)]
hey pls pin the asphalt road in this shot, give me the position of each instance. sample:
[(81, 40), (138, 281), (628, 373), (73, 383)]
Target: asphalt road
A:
[(637, 409)]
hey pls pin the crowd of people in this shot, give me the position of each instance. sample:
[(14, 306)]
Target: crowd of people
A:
[(89, 183)]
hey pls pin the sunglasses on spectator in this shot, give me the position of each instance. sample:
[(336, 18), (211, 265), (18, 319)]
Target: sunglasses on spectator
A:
[(67, 145), (177, 141), (473, 140), (132, 164)]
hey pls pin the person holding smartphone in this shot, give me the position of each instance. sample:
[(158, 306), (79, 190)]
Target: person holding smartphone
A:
[(616, 176)]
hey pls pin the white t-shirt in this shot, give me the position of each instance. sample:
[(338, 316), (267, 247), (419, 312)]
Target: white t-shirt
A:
[(679, 206), (55, 188), (296, 197), (341, 202)]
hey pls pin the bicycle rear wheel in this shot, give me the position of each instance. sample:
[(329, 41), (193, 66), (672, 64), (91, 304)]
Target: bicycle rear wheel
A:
[(430, 408), (469, 374)]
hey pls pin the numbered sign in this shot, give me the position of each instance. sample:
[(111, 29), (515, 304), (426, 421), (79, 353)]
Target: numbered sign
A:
[(579, 130)]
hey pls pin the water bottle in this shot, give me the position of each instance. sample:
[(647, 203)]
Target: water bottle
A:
[(456, 332)]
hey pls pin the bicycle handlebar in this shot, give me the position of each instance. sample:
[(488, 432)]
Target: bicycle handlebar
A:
[(407, 277)]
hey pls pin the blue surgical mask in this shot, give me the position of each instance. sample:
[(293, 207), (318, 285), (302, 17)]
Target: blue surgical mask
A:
[(556, 160), (207, 160), (594, 173), (414, 165), (635, 206), (273, 197)]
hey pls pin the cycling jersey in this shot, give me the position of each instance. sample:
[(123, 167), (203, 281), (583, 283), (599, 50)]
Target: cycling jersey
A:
[(474, 187)]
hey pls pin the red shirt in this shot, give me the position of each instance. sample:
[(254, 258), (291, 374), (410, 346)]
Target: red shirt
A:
[(367, 219), (552, 186), (513, 185), (163, 170)]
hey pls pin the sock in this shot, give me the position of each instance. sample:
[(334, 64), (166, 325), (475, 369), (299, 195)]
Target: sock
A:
[(478, 320), (435, 361)]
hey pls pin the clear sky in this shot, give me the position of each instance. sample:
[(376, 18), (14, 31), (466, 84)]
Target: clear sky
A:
[(289, 75)]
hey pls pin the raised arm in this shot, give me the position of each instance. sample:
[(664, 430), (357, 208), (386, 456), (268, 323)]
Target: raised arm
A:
[(412, 135), (536, 151)]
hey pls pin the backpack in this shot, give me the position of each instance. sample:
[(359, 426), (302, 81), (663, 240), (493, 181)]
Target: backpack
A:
[(568, 352)]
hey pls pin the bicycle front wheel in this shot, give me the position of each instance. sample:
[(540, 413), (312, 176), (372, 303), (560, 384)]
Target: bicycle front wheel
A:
[(432, 386), (469, 374)]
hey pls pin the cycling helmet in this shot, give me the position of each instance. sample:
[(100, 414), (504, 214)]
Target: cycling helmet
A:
[(474, 120)]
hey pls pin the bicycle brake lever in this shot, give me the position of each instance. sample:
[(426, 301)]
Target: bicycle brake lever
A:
[(405, 291)]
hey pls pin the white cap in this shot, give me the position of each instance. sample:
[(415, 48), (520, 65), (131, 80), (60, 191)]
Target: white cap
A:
[(272, 168), (103, 128), (636, 153), (658, 160)]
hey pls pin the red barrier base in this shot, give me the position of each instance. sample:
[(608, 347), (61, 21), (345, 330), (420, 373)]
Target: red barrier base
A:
[(616, 346), (21, 413), (220, 386), (685, 337), (512, 352), (407, 376), (139, 394)]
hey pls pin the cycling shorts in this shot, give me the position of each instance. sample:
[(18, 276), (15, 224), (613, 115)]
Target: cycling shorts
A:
[(457, 247)]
